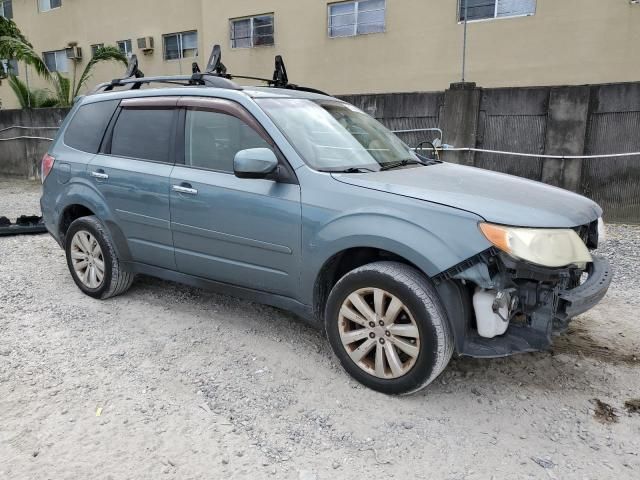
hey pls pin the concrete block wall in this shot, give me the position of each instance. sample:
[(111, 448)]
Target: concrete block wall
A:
[(565, 120), (21, 157)]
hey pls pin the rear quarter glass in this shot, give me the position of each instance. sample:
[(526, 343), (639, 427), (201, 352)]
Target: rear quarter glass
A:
[(87, 127)]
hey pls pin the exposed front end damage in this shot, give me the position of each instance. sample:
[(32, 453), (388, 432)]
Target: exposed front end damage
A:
[(499, 305)]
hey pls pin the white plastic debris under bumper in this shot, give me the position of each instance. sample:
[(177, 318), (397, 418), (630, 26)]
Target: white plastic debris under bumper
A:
[(490, 323)]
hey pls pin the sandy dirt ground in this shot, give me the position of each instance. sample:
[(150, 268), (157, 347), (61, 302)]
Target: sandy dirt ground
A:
[(171, 382)]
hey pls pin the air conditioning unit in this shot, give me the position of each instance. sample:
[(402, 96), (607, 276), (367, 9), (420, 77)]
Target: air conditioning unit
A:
[(74, 53), (146, 44)]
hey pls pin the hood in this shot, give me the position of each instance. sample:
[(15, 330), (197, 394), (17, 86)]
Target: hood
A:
[(496, 197)]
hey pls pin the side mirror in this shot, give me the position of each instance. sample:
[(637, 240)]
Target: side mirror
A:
[(254, 163)]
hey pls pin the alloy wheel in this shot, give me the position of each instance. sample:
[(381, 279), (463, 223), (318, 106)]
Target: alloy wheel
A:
[(87, 259), (379, 333)]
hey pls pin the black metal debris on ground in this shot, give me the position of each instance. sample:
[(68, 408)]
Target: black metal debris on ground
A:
[(24, 225), (633, 405), (604, 413)]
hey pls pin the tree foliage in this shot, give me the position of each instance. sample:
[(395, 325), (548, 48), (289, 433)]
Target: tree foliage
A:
[(14, 45), (8, 28), (107, 53), (31, 98)]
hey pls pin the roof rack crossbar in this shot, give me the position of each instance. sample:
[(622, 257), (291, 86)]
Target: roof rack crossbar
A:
[(180, 80), (184, 80), (280, 78)]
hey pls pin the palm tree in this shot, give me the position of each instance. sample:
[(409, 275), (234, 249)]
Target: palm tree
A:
[(66, 91), (14, 45), (31, 98), (102, 54), (8, 28)]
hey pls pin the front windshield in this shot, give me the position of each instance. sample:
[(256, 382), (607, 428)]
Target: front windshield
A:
[(336, 136)]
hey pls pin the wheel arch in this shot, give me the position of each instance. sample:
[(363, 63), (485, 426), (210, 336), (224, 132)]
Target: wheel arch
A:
[(71, 213), (82, 200), (387, 235), (347, 259)]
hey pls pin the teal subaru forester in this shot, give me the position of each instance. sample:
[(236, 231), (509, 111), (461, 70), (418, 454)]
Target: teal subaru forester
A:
[(299, 200)]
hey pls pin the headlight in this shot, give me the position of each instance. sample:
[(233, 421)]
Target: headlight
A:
[(549, 247)]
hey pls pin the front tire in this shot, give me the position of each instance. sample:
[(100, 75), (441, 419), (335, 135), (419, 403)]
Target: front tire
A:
[(93, 260), (387, 326)]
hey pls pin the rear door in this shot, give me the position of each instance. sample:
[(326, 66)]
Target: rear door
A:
[(132, 173), (244, 232)]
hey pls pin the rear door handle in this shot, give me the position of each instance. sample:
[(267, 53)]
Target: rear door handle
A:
[(100, 174), (184, 188)]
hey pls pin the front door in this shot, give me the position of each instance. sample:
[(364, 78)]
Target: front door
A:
[(244, 232), (132, 174)]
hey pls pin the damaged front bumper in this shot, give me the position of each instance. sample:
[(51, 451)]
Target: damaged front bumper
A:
[(542, 301), (574, 301)]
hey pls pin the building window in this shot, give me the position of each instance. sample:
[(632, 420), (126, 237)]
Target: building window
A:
[(56, 61), (347, 19), (180, 45), (489, 9), (125, 47), (46, 5), (252, 31), (9, 67), (95, 47), (6, 9)]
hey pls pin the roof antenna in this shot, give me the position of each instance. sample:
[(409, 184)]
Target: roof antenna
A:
[(215, 65)]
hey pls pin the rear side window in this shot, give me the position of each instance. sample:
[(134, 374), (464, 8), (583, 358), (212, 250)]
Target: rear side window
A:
[(87, 127), (212, 140), (143, 133)]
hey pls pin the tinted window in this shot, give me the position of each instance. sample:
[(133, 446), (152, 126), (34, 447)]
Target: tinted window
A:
[(143, 133), (87, 127), (213, 139)]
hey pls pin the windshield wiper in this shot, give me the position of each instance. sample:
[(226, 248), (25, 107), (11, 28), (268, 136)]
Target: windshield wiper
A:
[(349, 170), (402, 163)]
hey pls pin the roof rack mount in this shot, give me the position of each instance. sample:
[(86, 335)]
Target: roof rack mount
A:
[(215, 75)]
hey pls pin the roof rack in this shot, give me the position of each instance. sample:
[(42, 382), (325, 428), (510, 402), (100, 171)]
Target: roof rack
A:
[(215, 75), (134, 79)]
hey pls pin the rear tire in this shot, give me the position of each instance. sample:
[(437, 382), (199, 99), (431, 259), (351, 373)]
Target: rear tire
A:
[(388, 327), (93, 260)]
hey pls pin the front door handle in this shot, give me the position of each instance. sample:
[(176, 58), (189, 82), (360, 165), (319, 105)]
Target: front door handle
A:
[(184, 188), (100, 175)]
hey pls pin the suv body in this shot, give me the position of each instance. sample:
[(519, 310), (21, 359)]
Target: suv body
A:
[(172, 179)]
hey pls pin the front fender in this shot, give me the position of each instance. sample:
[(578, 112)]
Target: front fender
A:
[(432, 250), (385, 232)]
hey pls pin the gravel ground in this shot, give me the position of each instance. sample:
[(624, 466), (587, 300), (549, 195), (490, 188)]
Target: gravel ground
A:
[(169, 381)]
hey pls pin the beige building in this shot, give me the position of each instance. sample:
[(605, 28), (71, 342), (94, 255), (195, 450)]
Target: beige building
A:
[(363, 46)]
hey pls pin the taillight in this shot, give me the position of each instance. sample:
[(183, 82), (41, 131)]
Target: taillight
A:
[(47, 165)]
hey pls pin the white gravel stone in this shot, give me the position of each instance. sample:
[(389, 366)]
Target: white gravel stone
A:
[(174, 370)]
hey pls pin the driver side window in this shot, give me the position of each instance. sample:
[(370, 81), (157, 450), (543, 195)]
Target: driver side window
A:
[(212, 140)]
